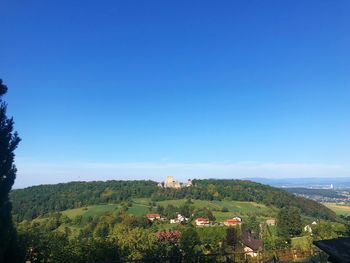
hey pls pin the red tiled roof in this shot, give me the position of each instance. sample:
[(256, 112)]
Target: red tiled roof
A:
[(202, 219), (232, 221), (152, 215)]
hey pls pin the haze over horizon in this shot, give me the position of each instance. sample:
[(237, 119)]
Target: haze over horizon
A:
[(141, 90)]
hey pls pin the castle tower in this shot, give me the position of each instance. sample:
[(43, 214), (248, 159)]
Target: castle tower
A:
[(189, 183), (177, 185), (169, 182)]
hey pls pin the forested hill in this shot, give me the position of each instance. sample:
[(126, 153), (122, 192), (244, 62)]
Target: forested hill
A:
[(34, 201)]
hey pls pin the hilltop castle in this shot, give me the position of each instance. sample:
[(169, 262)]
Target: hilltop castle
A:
[(170, 183)]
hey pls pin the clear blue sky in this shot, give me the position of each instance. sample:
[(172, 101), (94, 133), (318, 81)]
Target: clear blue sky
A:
[(145, 89)]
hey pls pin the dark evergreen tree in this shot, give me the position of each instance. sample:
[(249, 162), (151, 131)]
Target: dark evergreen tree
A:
[(188, 242), (231, 238), (289, 222), (8, 143)]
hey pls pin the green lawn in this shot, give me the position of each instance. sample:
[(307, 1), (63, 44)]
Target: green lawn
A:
[(90, 210), (142, 201), (138, 209), (196, 203), (246, 208)]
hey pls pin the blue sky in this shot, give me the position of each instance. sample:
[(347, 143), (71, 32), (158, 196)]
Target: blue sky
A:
[(144, 89)]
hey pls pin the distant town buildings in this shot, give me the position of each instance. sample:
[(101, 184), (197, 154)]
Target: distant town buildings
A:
[(171, 183)]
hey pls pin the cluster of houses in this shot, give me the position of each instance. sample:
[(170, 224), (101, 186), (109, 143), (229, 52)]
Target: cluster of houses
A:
[(200, 221), (252, 246), (180, 219), (204, 221)]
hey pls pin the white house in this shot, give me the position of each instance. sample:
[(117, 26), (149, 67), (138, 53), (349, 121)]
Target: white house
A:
[(180, 219)]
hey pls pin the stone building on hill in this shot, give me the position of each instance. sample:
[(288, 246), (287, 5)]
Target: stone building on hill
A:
[(171, 183)]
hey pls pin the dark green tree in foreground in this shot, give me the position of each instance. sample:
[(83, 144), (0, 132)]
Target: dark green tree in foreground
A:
[(289, 222), (8, 143), (189, 240)]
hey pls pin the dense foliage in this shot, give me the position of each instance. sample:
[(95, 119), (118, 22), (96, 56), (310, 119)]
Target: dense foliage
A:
[(118, 237), (38, 200), (8, 143), (34, 201)]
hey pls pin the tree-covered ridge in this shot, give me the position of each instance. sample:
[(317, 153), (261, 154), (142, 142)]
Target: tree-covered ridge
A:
[(243, 190), (38, 200), (34, 201)]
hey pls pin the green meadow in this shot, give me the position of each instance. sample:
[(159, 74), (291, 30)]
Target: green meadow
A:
[(90, 210)]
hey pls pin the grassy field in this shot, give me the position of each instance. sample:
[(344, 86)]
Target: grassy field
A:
[(339, 209), (196, 203), (136, 209), (90, 210)]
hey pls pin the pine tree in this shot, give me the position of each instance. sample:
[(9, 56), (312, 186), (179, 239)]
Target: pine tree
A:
[(231, 238), (8, 143), (289, 222)]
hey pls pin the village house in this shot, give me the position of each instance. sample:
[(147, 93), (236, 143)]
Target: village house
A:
[(308, 228), (179, 220), (233, 221), (252, 246), (202, 221), (153, 217), (271, 222)]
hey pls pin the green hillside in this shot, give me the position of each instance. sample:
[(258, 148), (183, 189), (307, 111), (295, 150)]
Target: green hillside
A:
[(94, 210), (35, 201), (140, 207)]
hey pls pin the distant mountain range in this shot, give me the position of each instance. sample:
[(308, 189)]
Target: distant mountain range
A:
[(317, 183)]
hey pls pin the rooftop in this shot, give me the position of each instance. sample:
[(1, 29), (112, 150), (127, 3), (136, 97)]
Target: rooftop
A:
[(338, 249)]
